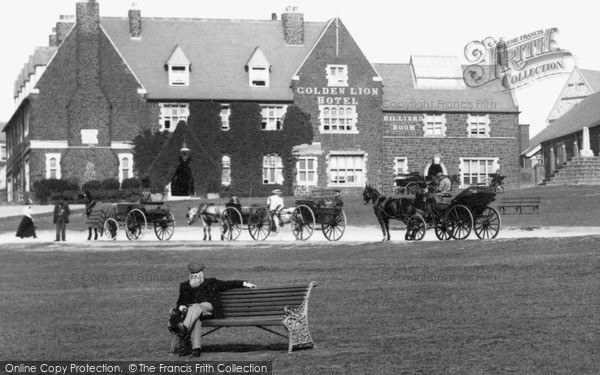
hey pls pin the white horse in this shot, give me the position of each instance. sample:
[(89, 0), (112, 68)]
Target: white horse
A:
[(209, 213)]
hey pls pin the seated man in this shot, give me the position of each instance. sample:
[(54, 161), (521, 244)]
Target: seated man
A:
[(234, 202), (199, 299), (444, 185), (337, 200)]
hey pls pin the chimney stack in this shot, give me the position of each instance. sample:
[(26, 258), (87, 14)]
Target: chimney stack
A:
[(293, 26), (135, 22), (273, 16)]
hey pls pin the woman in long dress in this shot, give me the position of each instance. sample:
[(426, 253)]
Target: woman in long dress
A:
[(27, 227)]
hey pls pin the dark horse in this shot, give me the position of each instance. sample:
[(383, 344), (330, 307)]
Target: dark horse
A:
[(391, 208)]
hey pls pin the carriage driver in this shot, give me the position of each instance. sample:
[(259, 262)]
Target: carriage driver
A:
[(275, 205), (199, 299), (444, 185)]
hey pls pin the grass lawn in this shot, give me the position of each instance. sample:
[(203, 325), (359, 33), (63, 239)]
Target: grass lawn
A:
[(503, 306)]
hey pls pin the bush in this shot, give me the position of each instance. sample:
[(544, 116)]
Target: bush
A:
[(130, 183), (92, 185), (110, 184), (44, 189)]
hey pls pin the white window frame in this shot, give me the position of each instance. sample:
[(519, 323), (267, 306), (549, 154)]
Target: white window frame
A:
[(332, 121), (226, 170), (307, 171), (26, 122), (434, 126), (3, 152), (272, 121), (258, 74), (49, 157), (398, 161), (338, 173), (129, 157), (179, 75), (337, 75), (478, 126), (272, 169), (225, 113), (167, 114), (26, 171), (491, 166)]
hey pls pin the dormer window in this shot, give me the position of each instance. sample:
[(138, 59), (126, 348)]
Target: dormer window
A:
[(258, 68), (179, 76), (178, 67)]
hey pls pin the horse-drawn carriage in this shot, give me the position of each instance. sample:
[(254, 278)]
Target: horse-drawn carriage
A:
[(134, 219), (452, 217), (455, 217)]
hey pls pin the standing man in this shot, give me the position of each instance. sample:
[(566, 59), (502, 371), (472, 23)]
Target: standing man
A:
[(61, 218), (275, 205), (199, 299)]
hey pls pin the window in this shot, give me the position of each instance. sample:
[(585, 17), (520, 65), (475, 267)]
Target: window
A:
[(434, 125), (53, 166), (337, 75), (3, 152), (475, 171), (26, 173), (125, 166), (179, 75), (171, 114), (338, 118), (273, 116), (225, 113), (272, 169), (26, 122), (346, 170), (307, 171), (226, 166), (478, 125), (400, 166), (259, 77)]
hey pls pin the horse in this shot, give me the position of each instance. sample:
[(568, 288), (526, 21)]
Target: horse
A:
[(98, 215), (391, 208), (209, 213)]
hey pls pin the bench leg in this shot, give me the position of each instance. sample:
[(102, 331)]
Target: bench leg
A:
[(296, 323)]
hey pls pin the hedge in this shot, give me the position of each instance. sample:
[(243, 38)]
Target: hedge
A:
[(44, 189)]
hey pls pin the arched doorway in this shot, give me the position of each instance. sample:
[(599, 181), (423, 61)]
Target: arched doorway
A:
[(434, 167), (182, 183)]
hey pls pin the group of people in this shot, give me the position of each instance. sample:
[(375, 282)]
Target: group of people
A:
[(27, 227)]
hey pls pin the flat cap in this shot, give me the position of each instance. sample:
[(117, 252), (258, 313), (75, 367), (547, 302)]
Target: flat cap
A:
[(195, 266)]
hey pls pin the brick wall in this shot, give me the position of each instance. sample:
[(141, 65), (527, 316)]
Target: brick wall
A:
[(360, 79)]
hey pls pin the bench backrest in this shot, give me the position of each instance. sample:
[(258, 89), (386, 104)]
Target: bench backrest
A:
[(268, 301)]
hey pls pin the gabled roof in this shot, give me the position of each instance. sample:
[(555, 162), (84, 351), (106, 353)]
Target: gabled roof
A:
[(258, 58), (401, 94), (219, 48), (592, 77), (584, 114), (178, 58)]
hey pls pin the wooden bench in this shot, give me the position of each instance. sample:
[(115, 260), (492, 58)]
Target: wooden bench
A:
[(279, 306), (518, 203)]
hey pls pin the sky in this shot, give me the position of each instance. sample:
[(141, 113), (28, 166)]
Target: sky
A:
[(386, 31)]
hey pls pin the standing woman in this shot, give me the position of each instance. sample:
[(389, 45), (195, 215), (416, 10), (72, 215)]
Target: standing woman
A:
[(27, 227)]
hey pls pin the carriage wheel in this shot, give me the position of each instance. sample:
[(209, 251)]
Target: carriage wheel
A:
[(231, 224), (487, 224), (135, 224), (415, 228), (460, 221), (443, 231), (110, 228), (165, 226), (303, 222), (412, 188), (334, 229), (259, 225)]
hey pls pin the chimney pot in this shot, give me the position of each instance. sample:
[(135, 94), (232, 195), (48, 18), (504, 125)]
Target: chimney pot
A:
[(273, 16)]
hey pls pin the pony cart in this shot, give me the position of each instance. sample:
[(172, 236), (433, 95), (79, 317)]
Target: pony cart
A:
[(318, 209), (255, 217), (134, 219), (455, 217)]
